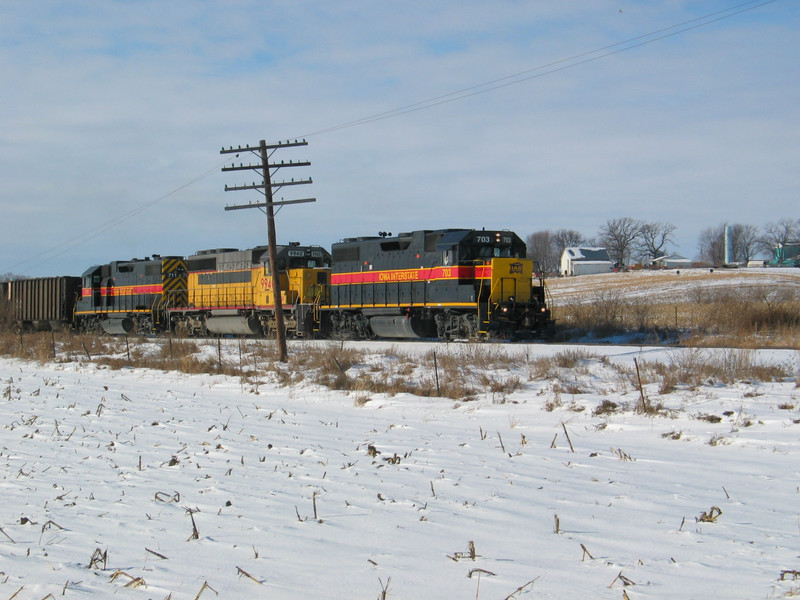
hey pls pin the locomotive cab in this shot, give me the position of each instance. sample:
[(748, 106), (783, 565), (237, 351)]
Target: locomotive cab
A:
[(493, 265)]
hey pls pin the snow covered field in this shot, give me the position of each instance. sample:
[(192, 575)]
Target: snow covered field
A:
[(672, 285), (143, 484)]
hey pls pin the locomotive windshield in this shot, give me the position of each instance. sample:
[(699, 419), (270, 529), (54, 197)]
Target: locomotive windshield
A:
[(306, 259), (485, 245), (299, 258)]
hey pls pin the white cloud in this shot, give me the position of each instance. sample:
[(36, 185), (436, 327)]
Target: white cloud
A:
[(112, 106)]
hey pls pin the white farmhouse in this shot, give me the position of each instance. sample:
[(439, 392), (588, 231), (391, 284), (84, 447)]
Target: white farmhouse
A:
[(585, 261)]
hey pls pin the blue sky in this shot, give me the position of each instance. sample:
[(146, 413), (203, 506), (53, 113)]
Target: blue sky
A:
[(113, 115)]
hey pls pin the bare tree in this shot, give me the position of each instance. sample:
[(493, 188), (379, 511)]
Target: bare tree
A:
[(12, 276), (618, 236), (542, 248), (568, 238), (745, 242), (777, 234), (711, 245), (653, 240)]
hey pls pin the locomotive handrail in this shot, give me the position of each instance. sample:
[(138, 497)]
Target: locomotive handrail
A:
[(476, 262)]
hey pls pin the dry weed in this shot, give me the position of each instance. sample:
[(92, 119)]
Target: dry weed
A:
[(606, 407)]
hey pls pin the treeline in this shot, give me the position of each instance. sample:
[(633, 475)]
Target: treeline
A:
[(626, 240), (631, 241), (747, 241)]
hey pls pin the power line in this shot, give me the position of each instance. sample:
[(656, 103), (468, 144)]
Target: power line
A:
[(100, 229), (552, 67), (454, 96)]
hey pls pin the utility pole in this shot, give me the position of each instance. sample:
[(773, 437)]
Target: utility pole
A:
[(264, 152)]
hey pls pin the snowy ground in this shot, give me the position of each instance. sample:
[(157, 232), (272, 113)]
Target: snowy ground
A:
[(300, 493), (673, 285)]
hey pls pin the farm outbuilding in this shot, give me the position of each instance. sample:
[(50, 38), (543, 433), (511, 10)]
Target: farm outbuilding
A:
[(673, 261), (585, 261)]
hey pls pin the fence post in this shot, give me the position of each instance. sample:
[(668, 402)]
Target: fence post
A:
[(436, 373)]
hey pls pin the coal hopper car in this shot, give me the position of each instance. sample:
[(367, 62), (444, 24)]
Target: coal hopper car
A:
[(41, 303)]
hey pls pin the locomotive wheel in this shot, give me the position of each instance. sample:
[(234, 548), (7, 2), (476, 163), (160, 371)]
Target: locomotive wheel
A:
[(144, 326), (469, 325), (90, 325)]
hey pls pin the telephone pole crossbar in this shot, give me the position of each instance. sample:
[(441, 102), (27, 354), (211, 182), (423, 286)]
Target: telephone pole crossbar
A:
[(266, 187), (264, 204), (286, 144), (242, 167), (261, 186)]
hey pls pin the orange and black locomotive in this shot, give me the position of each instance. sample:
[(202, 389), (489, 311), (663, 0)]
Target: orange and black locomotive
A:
[(446, 284)]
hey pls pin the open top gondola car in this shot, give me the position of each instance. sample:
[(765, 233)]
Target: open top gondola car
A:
[(447, 283), (230, 291), (42, 303), (122, 297)]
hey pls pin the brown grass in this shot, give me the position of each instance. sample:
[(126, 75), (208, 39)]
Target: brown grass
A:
[(751, 314), (745, 318), (6, 319)]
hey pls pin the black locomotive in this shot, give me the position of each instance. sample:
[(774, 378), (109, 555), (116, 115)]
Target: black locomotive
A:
[(447, 283), (132, 295)]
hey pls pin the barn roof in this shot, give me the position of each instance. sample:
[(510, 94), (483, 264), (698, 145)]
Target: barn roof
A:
[(588, 254)]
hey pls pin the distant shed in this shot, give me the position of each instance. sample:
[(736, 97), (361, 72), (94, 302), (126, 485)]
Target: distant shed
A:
[(673, 261), (585, 261)]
